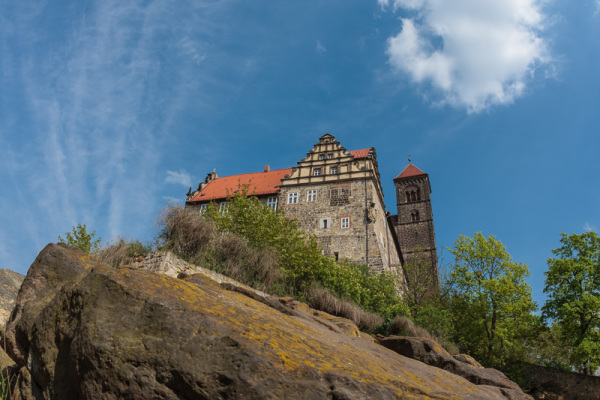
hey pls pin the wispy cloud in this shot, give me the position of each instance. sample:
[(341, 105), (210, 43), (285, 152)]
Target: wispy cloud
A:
[(320, 48), (179, 177), (469, 53), (589, 227), (97, 99)]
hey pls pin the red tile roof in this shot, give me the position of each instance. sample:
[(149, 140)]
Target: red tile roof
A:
[(261, 183), (362, 153), (409, 171)]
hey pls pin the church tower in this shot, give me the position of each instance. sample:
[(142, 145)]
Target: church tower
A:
[(415, 218)]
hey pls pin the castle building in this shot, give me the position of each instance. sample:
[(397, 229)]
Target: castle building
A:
[(336, 195)]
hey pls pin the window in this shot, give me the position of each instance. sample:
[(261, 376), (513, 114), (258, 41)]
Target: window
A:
[(292, 197), (413, 195), (333, 170), (329, 156), (336, 255), (321, 156), (223, 206), (317, 172), (414, 216), (324, 223), (272, 202), (203, 207), (345, 222), (311, 195)]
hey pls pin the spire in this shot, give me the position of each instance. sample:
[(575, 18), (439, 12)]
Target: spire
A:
[(409, 171)]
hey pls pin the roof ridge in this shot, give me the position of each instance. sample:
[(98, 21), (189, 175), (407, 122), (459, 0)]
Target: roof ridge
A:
[(250, 173)]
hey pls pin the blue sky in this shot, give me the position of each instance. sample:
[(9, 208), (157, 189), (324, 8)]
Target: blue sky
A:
[(111, 109)]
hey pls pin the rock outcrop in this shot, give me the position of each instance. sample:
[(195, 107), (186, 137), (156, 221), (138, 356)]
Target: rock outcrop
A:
[(551, 384), (431, 353), (84, 330), (10, 282)]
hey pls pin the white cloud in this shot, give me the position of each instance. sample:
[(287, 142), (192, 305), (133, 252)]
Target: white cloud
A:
[(588, 227), (469, 53), (179, 177), (320, 48)]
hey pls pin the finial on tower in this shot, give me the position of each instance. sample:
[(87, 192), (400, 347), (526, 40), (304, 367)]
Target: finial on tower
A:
[(409, 159)]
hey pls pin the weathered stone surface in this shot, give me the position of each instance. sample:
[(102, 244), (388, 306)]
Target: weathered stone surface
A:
[(82, 330), (467, 359), (10, 282), (167, 263), (551, 384), (431, 353)]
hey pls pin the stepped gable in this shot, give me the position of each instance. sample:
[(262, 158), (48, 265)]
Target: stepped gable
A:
[(85, 330), (260, 183)]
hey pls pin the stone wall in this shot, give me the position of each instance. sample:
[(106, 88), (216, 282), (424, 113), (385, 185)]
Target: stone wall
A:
[(323, 215), (415, 221)]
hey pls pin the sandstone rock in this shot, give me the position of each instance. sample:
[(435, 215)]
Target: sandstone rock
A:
[(551, 384), (166, 263), (468, 360), (82, 330), (431, 353), (10, 282)]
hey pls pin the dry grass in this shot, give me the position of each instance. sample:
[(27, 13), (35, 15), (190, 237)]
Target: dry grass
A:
[(402, 326), (323, 300), (233, 256), (122, 251), (197, 240), (186, 232)]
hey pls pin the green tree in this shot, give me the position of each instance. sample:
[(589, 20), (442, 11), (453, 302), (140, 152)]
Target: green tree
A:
[(491, 302), (573, 288), (422, 280), (81, 239)]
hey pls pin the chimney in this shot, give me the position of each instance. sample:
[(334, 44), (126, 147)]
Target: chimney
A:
[(267, 168)]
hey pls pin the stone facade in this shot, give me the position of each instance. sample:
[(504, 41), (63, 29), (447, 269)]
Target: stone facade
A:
[(336, 195)]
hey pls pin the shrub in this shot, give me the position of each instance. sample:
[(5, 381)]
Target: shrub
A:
[(81, 239), (122, 251), (186, 233)]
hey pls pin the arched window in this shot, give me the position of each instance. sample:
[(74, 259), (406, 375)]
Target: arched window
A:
[(411, 196), (414, 216)]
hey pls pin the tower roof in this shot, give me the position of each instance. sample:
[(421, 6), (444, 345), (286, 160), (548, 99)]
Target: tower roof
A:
[(410, 171)]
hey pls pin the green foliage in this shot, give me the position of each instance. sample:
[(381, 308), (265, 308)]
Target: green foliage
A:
[(81, 239), (296, 254), (490, 301), (573, 289), (6, 380), (436, 319), (421, 280)]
